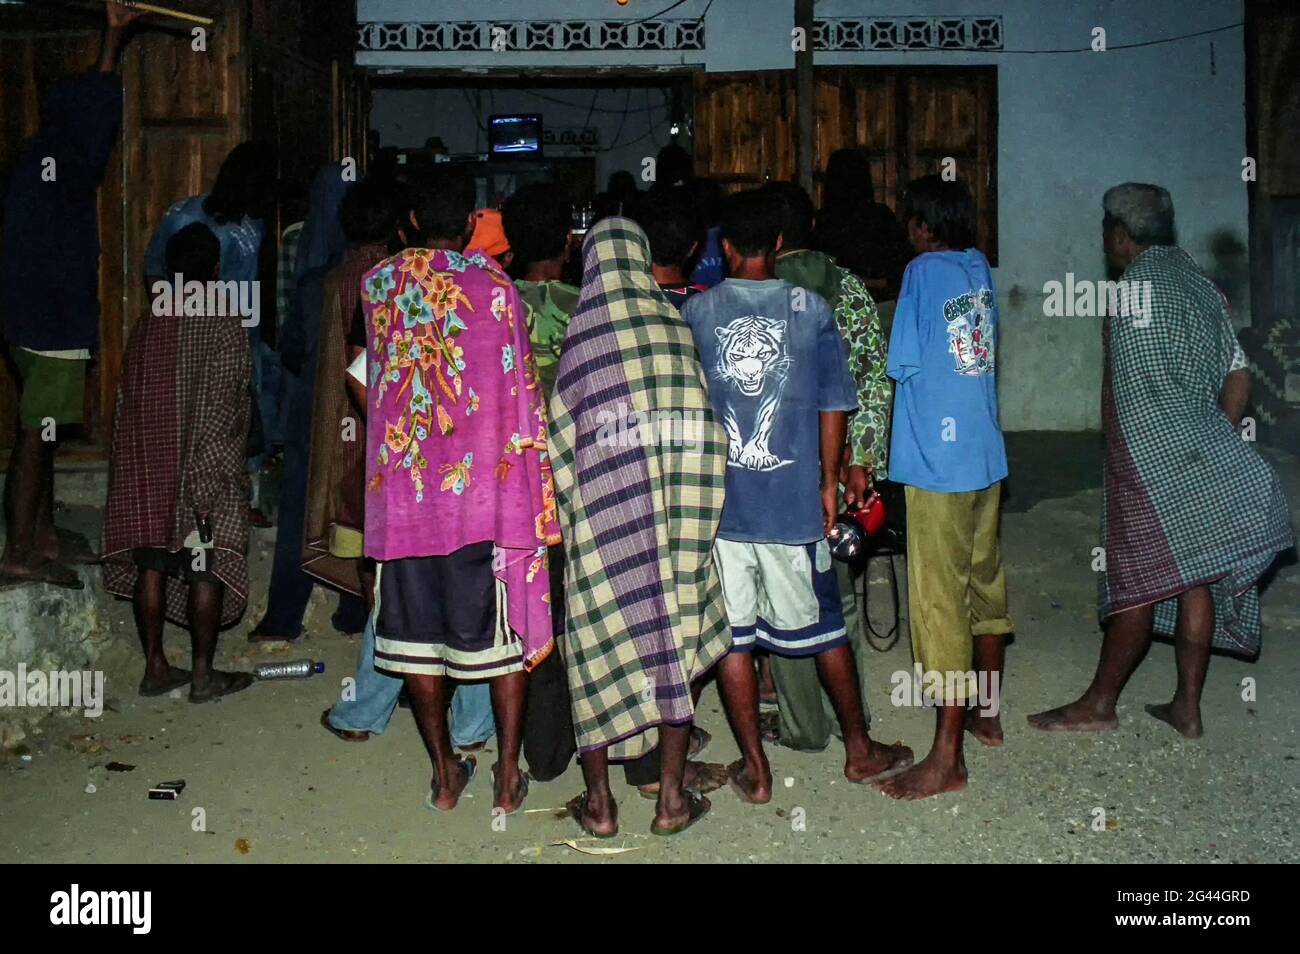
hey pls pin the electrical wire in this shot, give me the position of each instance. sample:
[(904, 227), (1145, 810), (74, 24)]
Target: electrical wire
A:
[(1128, 46)]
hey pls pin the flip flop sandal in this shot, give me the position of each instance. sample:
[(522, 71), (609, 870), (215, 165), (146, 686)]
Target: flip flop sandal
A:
[(523, 789), (238, 682), (347, 735), (470, 768), (180, 677), (577, 807), (901, 765), (697, 807)]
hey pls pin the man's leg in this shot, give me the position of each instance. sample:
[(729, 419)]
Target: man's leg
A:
[(738, 685), (473, 720), (984, 719), (940, 544), (1192, 657), (1128, 636), (863, 757), (595, 809), (149, 621), (205, 620), (375, 693), (428, 696), (672, 810), (802, 722), (738, 569), (944, 768), (30, 463), (509, 693)]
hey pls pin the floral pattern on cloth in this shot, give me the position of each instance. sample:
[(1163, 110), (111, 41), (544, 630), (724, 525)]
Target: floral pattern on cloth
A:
[(456, 433), (859, 322)]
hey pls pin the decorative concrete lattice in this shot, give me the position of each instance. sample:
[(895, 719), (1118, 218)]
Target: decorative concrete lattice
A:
[(847, 34), (556, 36)]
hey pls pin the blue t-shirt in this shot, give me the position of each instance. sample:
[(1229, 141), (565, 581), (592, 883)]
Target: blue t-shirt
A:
[(775, 360), (240, 241), (942, 353)]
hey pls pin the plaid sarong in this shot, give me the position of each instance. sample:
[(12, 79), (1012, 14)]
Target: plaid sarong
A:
[(179, 430), (1186, 501), (644, 603)]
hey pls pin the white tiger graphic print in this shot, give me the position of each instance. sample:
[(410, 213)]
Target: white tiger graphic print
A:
[(752, 358)]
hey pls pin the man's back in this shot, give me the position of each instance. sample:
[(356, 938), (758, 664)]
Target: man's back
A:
[(774, 360), (943, 354)]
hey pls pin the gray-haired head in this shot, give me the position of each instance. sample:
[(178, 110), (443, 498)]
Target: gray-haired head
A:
[(1146, 212)]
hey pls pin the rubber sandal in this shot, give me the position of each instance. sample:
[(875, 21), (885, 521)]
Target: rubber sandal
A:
[(431, 800), (238, 682), (697, 807), (180, 677), (896, 767), (347, 735)]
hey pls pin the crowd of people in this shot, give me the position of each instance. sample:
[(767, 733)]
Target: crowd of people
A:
[(561, 481)]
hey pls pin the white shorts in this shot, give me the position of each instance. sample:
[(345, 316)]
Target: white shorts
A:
[(780, 597)]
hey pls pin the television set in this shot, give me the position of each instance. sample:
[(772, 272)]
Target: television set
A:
[(517, 136)]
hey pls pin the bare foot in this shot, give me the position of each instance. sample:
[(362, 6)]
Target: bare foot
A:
[(596, 815), (986, 728), (882, 762), (1076, 717), (444, 797), (1186, 721), (927, 777), (756, 791)]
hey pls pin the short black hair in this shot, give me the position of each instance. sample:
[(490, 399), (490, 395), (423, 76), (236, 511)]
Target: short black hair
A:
[(751, 221), (945, 205), (670, 225), (370, 210), (536, 220), (194, 253), (797, 213), (442, 201), (246, 184)]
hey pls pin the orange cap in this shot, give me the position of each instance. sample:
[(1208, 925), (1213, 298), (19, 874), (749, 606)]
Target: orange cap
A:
[(488, 233)]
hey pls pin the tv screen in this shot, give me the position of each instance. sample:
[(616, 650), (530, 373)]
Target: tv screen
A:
[(515, 136)]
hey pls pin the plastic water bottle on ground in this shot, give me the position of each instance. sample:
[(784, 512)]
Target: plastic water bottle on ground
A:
[(298, 669)]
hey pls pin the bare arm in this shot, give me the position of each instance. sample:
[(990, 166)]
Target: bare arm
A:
[(834, 428), (119, 18), (1235, 395)]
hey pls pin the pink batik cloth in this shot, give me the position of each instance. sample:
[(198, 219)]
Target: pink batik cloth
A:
[(456, 426)]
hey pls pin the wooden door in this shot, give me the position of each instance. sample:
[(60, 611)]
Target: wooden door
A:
[(907, 120)]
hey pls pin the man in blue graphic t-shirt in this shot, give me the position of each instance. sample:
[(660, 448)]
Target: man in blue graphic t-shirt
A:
[(780, 384), (947, 449)]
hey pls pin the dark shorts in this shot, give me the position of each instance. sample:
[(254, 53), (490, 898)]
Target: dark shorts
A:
[(53, 389), (445, 616), (182, 564)]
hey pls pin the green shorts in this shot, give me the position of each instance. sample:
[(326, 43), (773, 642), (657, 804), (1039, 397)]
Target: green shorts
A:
[(52, 389), (956, 586)]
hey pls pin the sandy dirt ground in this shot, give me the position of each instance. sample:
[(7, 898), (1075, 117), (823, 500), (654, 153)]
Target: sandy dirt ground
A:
[(274, 787)]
